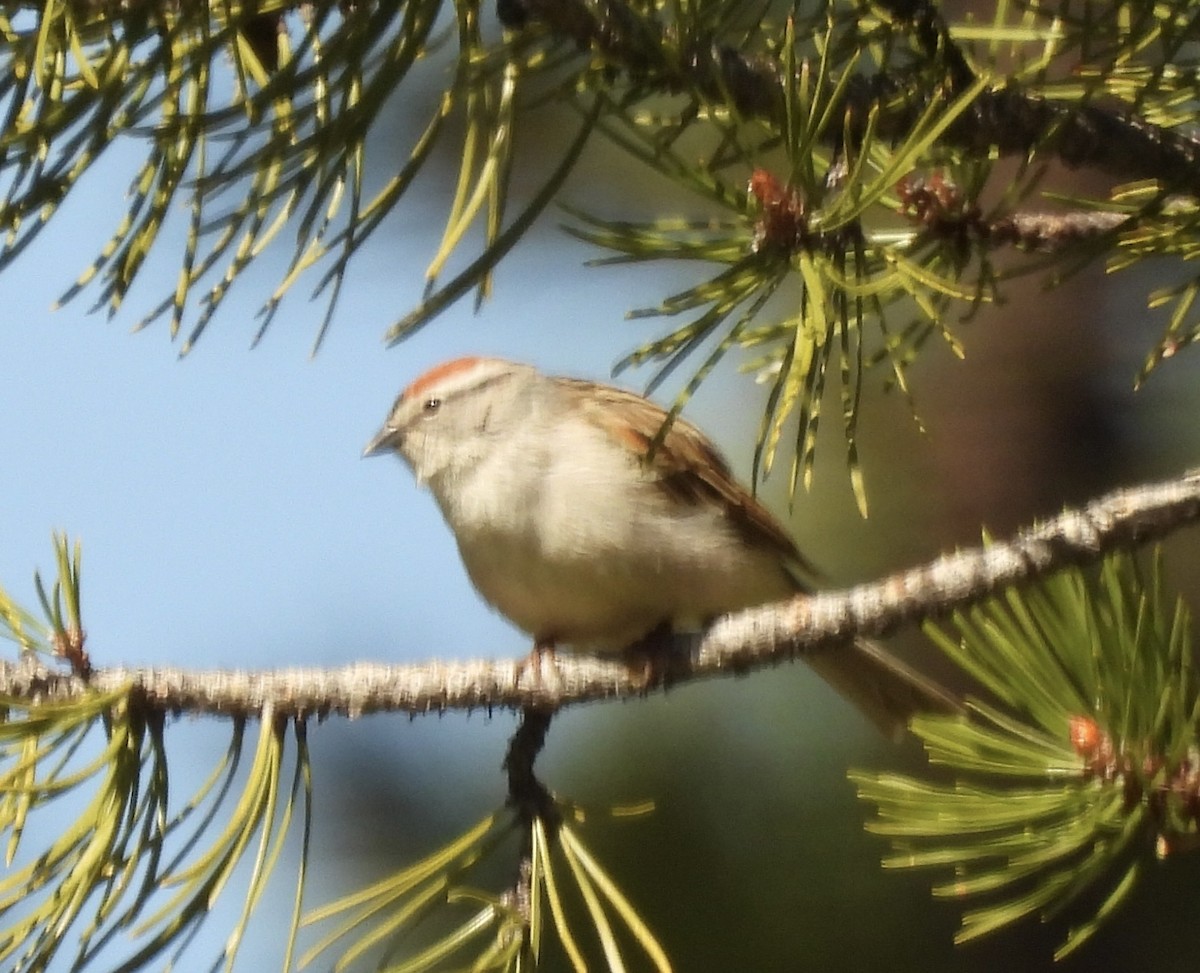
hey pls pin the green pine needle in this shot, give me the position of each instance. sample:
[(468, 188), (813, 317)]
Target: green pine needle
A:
[(1054, 795)]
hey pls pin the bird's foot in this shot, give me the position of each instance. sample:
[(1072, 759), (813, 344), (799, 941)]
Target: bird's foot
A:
[(656, 658)]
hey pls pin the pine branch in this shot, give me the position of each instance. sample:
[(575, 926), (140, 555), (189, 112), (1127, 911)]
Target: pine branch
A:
[(1011, 119), (738, 643), (1057, 792), (946, 216)]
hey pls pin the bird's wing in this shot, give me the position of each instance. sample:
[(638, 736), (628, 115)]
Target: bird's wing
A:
[(685, 464)]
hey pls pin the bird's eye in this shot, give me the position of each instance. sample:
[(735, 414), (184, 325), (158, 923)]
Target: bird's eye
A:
[(431, 406)]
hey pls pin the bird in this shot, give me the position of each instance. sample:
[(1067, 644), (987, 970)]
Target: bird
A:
[(586, 533)]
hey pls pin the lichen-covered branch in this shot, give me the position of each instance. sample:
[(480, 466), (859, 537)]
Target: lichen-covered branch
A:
[(742, 642)]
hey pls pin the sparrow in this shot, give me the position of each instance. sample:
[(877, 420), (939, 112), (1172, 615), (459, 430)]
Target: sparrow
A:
[(584, 534)]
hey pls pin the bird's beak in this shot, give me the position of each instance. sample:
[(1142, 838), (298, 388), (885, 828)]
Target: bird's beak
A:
[(384, 441)]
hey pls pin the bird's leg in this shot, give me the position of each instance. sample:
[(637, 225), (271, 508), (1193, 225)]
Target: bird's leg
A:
[(541, 653), (542, 648), (654, 658)]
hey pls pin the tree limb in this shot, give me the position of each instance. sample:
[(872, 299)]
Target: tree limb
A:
[(748, 640), (1011, 119)]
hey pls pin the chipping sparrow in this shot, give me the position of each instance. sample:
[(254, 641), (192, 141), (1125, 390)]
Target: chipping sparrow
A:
[(569, 532)]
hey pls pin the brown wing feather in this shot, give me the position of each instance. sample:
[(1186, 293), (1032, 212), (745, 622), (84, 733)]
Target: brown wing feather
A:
[(686, 464)]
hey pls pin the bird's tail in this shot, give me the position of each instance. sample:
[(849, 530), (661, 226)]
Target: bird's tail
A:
[(888, 692)]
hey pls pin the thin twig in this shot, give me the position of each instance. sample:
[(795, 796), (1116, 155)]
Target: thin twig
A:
[(531, 800), (525, 792)]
